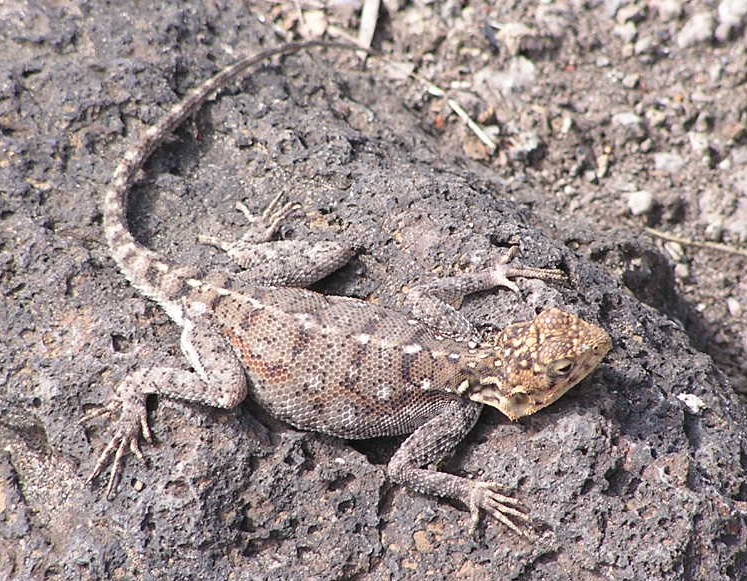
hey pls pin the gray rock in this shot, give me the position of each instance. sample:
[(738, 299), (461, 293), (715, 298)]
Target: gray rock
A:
[(697, 30), (669, 162)]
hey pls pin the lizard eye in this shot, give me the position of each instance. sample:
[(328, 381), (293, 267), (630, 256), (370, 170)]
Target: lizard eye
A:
[(560, 368)]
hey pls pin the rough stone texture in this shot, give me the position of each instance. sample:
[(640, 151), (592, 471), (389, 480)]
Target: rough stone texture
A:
[(629, 481)]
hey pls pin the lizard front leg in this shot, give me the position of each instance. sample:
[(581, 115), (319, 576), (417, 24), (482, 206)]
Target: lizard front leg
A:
[(435, 440), (435, 303), (218, 380)]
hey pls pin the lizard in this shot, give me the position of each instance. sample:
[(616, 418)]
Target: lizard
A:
[(337, 365)]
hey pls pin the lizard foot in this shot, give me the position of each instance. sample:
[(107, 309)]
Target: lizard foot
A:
[(504, 270), (267, 223), (261, 228), (131, 426), (486, 496)]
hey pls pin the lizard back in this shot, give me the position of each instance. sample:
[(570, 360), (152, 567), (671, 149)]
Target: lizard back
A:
[(339, 365)]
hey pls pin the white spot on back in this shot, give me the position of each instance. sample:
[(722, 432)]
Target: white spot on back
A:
[(425, 384), (363, 338), (412, 348)]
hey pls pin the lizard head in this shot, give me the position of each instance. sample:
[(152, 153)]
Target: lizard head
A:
[(536, 362)]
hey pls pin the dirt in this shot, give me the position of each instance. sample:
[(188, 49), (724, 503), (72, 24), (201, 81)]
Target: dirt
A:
[(615, 124)]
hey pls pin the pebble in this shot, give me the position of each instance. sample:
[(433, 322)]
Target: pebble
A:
[(735, 309), (697, 30), (631, 13), (631, 81), (645, 45), (640, 202), (603, 165), (655, 117), (715, 230), (669, 162), (699, 142), (739, 155), (693, 403), (731, 15), (682, 271), (626, 32), (667, 9), (627, 118), (675, 251)]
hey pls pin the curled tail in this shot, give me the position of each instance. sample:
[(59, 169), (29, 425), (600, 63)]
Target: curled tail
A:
[(152, 274)]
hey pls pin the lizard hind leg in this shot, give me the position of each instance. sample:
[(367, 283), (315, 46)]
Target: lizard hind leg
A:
[(283, 262), (261, 227)]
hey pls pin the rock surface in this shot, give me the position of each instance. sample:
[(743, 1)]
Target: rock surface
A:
[(639, 473)]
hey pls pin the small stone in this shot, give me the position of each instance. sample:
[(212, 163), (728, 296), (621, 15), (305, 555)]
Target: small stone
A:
[(422, 544), (631, 13), (627, 118), (631, 81), (626, 32), (655, 117), (682, 270), (699, 142), (645, 45), (603, 165), (640, 202), (739, 155), (675, 251), (731, 15), (667, 9), (714, 231), (735, 308), (567, 124), (734, 132), (520, 75), (694, 404), (669, 162), (699, 29), (524, 146), (703, 122)]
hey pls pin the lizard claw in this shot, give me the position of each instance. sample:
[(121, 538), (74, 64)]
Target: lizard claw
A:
[(261, 228), (504, 270), (266, 224), (131, 426), (486, 497)]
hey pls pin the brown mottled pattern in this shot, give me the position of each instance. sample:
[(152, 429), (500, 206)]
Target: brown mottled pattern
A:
[(331, 364)]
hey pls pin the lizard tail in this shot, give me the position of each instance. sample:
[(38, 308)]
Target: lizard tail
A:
[(152, 274)]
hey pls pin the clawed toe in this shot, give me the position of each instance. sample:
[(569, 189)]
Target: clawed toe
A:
[(504, 270), (505, 509), (132, 425)]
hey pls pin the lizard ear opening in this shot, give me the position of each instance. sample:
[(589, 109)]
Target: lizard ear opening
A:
[(560, 368)]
